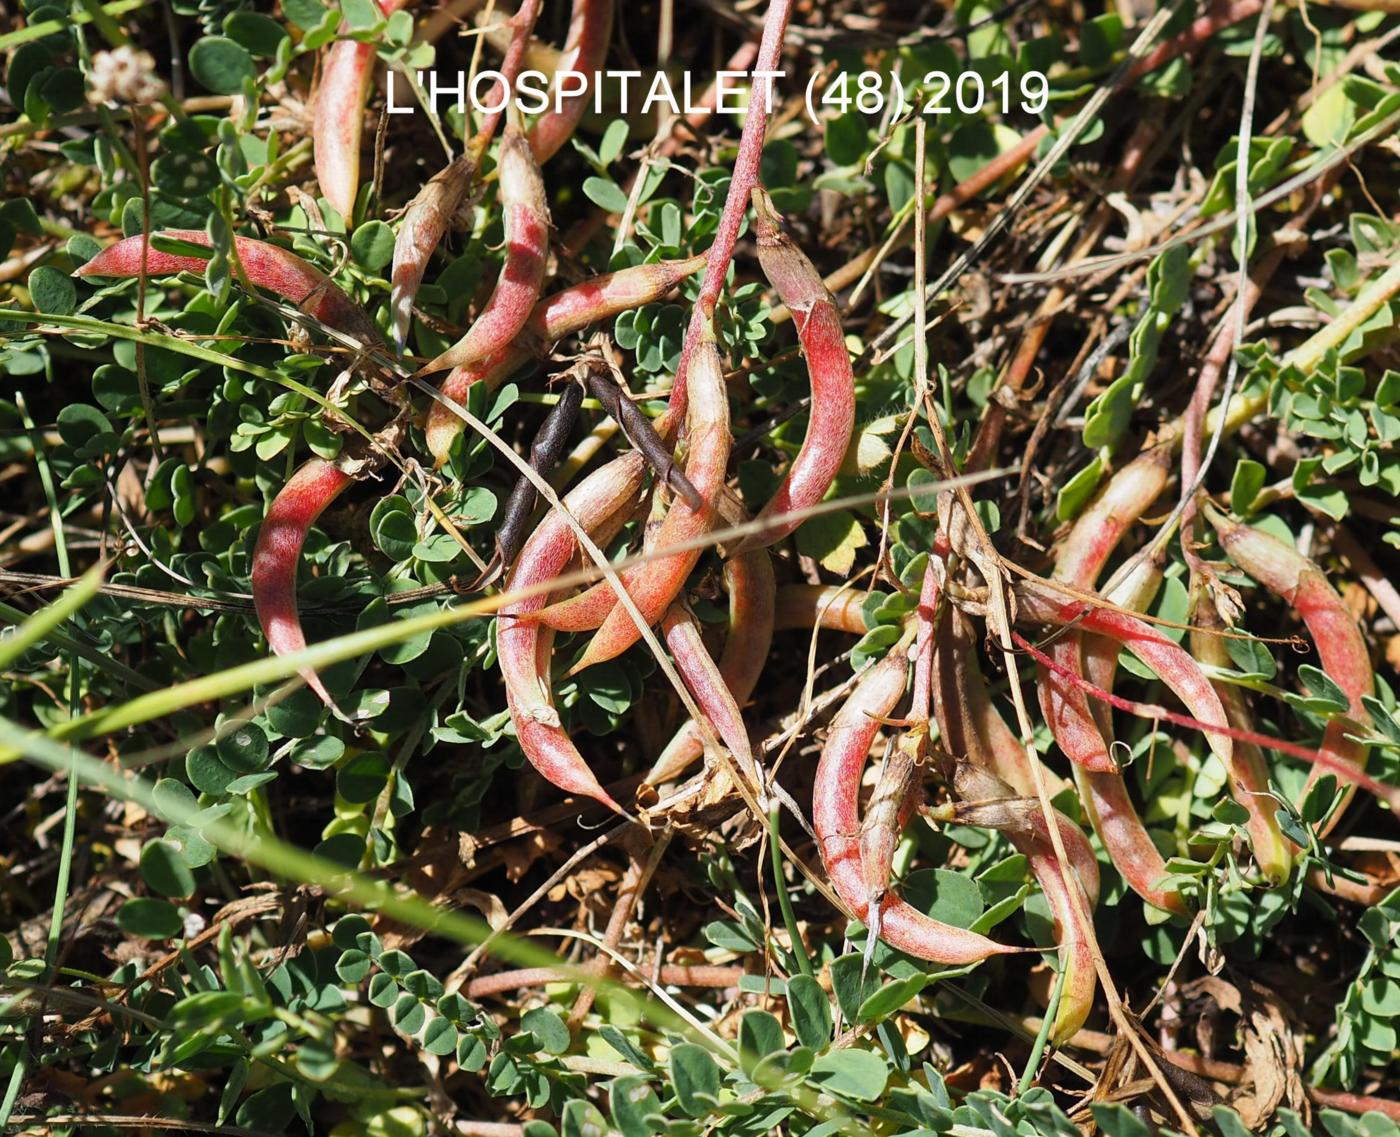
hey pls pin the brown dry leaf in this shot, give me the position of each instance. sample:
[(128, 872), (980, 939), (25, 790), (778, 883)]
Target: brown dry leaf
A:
[(587, 883), (1272, 1045), (705, 808), (1392, 652), (519, 856), (487, 903)]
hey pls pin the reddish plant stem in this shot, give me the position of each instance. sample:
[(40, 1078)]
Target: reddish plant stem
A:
[(1319, 758), (1223, 14), (736, 203), (696, 116)]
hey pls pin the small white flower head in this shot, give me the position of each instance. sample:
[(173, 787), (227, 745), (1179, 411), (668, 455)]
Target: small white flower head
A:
[(124, 75)]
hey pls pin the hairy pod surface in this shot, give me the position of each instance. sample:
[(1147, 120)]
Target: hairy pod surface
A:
[(523, 646), (1110, 807), (277, 554), (267, 266), (749, 581), (553, 318), (338, 117), (517, 288), (656, 583), (585, 49), (1340, 646), (835, 817), (833, 397)]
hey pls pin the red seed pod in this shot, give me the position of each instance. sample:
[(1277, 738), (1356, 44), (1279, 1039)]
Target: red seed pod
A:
[(522, 271), (278, 552), (654, 584), (896, 792), (1297, 581), (1081, 558), (1249, 778), (267, 266), (431, 211), (1041, 604), (986, 803), (420, 232), (554, 317), (707, 684), (585, 49), (1105, 796), (970, 724), (833, 402), (338, 117), (605, 497), (836, 820), (749, 581)]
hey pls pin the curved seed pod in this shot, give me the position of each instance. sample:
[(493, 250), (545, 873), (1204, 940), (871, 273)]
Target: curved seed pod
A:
[(338, 121), (338, 117), (1297, 581), (655, 583), (986, 805), (896, 791), (833, 406), (835, 818), (554, 317), (585, 49), (431, 211), (420, 232), (1172, 665), (1099, 529), (702, 675), (522, 271), (317, 483), (748, 578), (969, 722), (1081, 558), (278, 551), (1249, 777), (548, 447), (267, 266), (989, 802), (1105, 796), (523, 647), (1082, 730), (829, 606)]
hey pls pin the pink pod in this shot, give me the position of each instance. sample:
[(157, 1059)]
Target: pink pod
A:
[(278, 553)]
